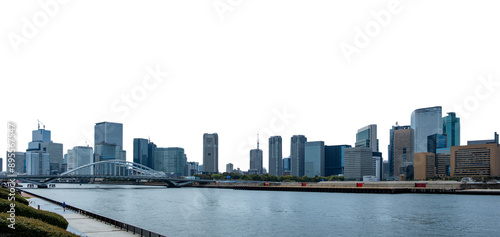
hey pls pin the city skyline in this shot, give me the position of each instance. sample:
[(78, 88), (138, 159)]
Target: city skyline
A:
[(253, 72)]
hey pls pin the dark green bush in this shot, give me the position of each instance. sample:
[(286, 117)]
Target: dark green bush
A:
[(4, 194), (26, 211), (27, 227)]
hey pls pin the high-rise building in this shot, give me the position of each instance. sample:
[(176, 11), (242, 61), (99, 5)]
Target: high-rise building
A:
[(334, 159), (37, 163), (436, 141), (377, 161), (108, 141), (314, 158), (297, 154), (1, 164), (287, 164), (229, 167), (385, 170), (144, 152), (210, 153), (443, 162), (20, 162), (256, 160), (391, 147), (41, 142), (275, 156), (358, 162), (403, 148), (425, 122), (481, 160), (367, 137), (171, 160), (423, 165), (79, 156), (193, 168), (451, 128), (108, 132)]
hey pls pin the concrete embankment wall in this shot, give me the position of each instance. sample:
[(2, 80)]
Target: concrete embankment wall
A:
[(351, 184)]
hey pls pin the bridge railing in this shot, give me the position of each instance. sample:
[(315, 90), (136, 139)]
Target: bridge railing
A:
[(119, 224)]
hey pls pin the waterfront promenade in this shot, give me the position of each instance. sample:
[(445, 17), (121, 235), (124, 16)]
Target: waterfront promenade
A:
[(79, 224)]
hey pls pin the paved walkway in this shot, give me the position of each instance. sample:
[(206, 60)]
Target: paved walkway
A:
[(79, 224)]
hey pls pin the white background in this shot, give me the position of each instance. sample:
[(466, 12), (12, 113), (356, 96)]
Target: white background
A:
[(230, 75)]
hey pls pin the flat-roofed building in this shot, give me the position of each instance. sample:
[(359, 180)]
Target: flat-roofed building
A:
[(481, 160), (424, 165)]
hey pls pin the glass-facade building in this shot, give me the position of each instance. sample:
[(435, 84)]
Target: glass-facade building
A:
[(171, 160), (108, 141), (367, 137), (297, 155), (275, 156), (108, 132), (314, 158), (436, 141), (144, 152), (425, 122), (334, 159), (287, 163), (451, 128)]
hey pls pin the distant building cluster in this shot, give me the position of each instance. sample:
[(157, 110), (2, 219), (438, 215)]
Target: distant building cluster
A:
[(427, 148)]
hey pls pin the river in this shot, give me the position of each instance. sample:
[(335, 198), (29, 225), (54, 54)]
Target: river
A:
[(223, 212)]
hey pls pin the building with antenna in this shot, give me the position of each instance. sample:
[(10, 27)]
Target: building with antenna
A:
[(43, 156)]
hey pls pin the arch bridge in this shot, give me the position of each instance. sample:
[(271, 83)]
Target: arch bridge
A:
[(116, 169)]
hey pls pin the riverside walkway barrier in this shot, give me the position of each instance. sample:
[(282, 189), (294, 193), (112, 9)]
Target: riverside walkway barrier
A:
[(119, 224)]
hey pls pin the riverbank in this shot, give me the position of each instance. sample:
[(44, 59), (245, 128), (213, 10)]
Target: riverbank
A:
[(387, 187), (85, 223)]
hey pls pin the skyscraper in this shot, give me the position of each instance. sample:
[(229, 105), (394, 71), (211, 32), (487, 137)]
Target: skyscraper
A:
[(391, 146), (41, 142), (403, 148), (79, 156), (451, 128), (275, 156), (297, 154), (37, 163), (108, 132), (425, 122), (334, 159), (256, 159), (367, 137), (314, 159), (287, 163), (358, 163), (171, 160), (108, 141), (144, 152), (210, 153)]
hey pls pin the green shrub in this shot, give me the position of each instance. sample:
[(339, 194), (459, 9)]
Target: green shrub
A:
[(31, 227), (4, 194), (26, 211)]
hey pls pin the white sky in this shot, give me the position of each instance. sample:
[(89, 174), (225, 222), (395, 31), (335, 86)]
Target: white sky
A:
[(230, 75)]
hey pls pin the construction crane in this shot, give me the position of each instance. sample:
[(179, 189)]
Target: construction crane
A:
[(41, 124)]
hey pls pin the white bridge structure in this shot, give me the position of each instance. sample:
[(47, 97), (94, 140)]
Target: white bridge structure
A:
[(110, 169)]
